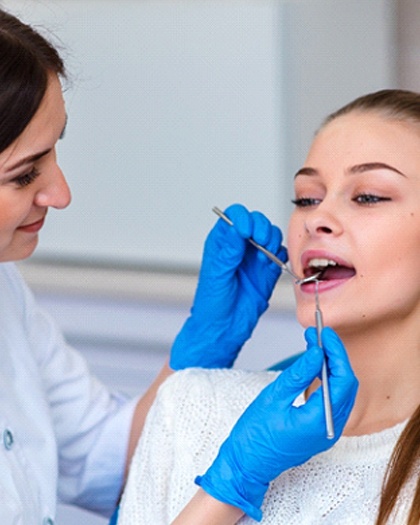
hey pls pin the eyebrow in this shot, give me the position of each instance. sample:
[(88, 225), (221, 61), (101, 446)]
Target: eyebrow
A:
[(36, 156), (306, 171), (358, 168), (361, 168), (27, 160)]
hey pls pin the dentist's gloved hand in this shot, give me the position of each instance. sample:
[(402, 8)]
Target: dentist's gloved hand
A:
[(235, 284), (272, 435)]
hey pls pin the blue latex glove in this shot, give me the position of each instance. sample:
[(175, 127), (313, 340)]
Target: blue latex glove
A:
[(273, 436), (235, 284)]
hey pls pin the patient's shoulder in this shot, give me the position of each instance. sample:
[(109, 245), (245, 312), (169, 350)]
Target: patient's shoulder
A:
[(228, 388)]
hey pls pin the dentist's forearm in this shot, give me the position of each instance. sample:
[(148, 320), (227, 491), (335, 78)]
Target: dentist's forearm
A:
[(141, 412)]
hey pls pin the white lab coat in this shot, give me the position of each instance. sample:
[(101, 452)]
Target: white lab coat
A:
[(62, 434)]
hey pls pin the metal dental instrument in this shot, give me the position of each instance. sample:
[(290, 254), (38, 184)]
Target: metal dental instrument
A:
[(324, 376), (270, 255), (318, 321)]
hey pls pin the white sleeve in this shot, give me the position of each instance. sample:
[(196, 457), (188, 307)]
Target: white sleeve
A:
[(91, 424)]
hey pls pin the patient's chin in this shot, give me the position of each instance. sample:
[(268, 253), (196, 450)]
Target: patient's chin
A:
[(305, 315)]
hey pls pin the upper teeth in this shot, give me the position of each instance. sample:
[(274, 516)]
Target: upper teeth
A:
[(321, 263)]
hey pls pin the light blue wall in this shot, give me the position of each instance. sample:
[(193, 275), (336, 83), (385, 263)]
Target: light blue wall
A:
[(177, 106)]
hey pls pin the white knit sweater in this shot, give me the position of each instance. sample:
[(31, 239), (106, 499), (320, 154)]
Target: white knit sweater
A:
[(193, 414)]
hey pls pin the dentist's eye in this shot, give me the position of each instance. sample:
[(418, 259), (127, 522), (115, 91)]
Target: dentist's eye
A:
[(26, 178), (367, 198), (304, 202)]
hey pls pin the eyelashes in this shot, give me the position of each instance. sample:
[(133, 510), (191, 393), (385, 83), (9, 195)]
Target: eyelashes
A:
[(305, 202), (27, 178), (363, 199), (368, 198)]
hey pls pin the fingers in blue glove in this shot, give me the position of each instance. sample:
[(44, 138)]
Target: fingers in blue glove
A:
[(241, 218), (342, 381), (297, 377), (227, 243), (254, 225), (267, 235)]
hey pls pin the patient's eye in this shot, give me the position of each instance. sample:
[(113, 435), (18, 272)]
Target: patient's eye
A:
[(369, 199), (305, 202)]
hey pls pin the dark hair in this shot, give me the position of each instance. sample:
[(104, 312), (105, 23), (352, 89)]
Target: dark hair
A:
[(402, 106), (26, 59)]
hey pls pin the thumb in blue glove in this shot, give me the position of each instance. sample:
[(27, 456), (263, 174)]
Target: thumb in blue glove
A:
[(235, 284), (273, 435)]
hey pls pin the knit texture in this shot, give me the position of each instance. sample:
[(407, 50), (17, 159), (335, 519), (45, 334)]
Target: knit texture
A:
[(192, 415)]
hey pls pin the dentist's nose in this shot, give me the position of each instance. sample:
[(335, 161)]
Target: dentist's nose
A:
[(55, 191)]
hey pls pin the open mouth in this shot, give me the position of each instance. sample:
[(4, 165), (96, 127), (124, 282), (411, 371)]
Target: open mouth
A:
[(328, 269)]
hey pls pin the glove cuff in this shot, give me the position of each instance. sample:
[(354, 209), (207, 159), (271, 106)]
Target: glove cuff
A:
[(229, 486), (198, 346)]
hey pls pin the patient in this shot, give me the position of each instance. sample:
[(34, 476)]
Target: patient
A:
[(256, 440)]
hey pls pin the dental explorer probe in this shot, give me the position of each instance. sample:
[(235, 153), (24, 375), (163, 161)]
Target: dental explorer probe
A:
[(270, 255), (324, 375)]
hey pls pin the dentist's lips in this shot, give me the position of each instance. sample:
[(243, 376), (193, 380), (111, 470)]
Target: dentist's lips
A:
[(34, 227)]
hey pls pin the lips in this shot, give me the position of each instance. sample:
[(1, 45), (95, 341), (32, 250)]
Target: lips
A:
[(32, 227)]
